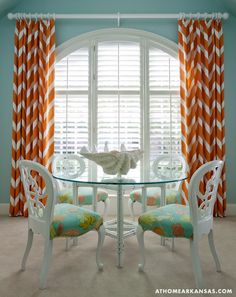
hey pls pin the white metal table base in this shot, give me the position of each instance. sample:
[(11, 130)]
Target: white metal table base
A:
[(120, 229)]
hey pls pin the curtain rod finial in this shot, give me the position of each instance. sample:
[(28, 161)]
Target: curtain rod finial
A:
[(10, 16), (225, 15)]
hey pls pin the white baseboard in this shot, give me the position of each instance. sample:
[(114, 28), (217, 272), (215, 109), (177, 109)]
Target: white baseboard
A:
[(4, 209), (231, 208)]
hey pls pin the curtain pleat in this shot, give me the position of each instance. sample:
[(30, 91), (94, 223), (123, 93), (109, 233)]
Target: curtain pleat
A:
[(33, 101), (201, 55)]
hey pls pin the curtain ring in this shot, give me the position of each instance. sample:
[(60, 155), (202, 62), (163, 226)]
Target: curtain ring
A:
[(118, 19), (26, 18), (47, 20)]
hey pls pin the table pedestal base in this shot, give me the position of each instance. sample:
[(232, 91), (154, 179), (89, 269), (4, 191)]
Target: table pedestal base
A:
[(113, 229)]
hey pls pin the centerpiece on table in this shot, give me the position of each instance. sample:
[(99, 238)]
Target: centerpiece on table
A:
[(114, 162)]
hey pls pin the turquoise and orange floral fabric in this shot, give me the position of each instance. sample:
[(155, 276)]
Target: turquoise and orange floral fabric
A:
[(71, 220), (85, 196), (169, 221), (154, 196)]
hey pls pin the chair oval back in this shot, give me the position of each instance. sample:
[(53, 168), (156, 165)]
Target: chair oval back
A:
[(70, 166), (38, 185), (169, 166), (202, 198)]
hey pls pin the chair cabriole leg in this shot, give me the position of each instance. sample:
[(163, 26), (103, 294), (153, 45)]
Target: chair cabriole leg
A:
[(46, 263), (106, 208), (213, 250), (101, 237), (28, 248), (140, 238), (131, 208), (196, 263)]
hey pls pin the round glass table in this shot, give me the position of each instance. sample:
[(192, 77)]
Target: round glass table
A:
[(118, 228)]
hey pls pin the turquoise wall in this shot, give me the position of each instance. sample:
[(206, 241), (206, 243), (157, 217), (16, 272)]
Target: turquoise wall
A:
[(66, 29)]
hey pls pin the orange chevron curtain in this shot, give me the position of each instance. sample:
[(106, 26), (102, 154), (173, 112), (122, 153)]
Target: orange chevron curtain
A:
[(33, 101), (201, 55)]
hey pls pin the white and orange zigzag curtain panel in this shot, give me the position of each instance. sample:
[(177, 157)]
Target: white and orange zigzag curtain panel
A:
[(33, 101), (201, 54)]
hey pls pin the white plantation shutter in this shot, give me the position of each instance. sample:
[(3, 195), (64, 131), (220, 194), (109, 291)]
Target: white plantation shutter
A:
[(118, 99), (163, 71), (72, 71), (164, 102), (71, 129), (71, 103), (119, 121), (102, 91)]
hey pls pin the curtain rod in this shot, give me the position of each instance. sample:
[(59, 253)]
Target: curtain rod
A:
[(119, 16)]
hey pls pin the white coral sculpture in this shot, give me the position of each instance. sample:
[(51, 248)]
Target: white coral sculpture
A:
[(114, 162)]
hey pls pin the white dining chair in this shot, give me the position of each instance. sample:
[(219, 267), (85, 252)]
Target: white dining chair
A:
[(163, 168), (50, 220), (189, 222), (73, 166)]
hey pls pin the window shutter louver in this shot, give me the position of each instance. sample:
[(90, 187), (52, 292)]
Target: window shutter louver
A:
[(72, 72), (164, 102), (163, 71), (110, 108), (71, 103), (118, 87)]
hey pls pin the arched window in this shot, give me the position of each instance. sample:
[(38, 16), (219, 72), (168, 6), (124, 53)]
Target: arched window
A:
[(120, 86)]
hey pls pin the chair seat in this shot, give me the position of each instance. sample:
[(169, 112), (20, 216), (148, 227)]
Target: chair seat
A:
[(85, 196), (71, 220), (170, 221), (154, 196)]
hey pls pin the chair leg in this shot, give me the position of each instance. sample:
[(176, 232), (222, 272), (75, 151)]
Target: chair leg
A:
[(67, 244), (173, 244), (28, 248), (101, 237), (106, 208), (196, 264), (131, 208), (213, 251), (140, 238), (46, 263)]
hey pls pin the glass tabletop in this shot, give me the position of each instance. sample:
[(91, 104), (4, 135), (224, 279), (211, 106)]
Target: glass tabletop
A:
[(132, 178)]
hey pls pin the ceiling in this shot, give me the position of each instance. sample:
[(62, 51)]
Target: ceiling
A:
[(230, 6), (7, 5)]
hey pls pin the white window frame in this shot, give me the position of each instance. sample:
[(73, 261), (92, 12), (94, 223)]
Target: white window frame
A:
[(145, 39)]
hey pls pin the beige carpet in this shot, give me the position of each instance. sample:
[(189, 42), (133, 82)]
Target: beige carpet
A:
[(74, 273)]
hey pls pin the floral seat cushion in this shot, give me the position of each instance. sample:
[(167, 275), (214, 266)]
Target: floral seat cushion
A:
[(154, 196), (170, 221), (85, 196), (71, 220)]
